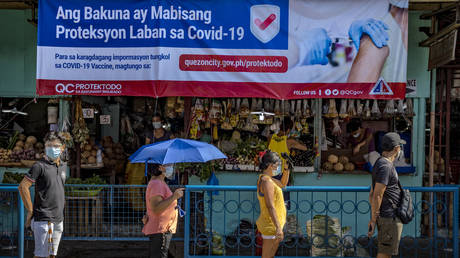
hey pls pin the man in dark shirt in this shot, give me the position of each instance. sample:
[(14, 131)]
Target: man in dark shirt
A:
[(385, 197), (46, 215)]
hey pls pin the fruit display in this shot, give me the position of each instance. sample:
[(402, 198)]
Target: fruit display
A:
[(89, 154), (5, 155), (338, 164), (304, 158), (25, 148), (12, 178), (114, 154)]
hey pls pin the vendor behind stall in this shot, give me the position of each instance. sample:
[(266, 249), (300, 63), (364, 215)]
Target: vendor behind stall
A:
[(158, 134), (279, 142), (360, 139)]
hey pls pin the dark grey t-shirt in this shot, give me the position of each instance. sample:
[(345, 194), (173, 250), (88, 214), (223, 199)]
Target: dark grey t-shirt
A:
[(49, 182), (384, 172)]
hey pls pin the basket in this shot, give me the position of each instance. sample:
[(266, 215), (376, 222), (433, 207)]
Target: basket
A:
[(28, 163)]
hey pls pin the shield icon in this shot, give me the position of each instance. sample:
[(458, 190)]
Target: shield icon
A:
[(265, 21)]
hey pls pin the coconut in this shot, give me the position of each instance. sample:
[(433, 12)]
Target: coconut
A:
[(92, 160), (31, 139), (328, 166), (338, 167), (94, 153), (19, 144), (349, 166), (22, 137), (333, 159), (39, 145), (88, 147), (28, 146), (17, 149), (343, 159)]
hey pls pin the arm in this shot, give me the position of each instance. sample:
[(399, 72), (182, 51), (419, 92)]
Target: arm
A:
[(293, 144), (268, 190), (158, 205), (363, 143), (24, 191), (377, 200), (368, 63), (285, 179)]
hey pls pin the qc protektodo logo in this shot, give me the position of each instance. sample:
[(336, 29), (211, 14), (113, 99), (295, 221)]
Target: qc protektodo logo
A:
[(72, 88)]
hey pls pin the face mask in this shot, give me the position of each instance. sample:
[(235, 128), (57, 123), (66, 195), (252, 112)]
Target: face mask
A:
[(53, 152), (356, 135), (169, 171), (277, 171), (400, 154), (156, 125)]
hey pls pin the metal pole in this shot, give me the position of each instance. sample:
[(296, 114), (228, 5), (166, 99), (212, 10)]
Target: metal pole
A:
[(20, 227), (187, 223), (447, 141), (432, 130), (455, 227)]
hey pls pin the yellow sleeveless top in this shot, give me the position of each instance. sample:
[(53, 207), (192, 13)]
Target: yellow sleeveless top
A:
[(278, 144), (264, 223)]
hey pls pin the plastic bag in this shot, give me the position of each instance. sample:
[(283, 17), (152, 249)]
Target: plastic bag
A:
[(409, 107), (343, 109), (277, 107), (375, 112), (212, 180), (336, 130), (359, 108), (367, 110), (292, 106), (351, 108), (332, 110), (400, 106), (389, 108), (298, 108), (306, 108)]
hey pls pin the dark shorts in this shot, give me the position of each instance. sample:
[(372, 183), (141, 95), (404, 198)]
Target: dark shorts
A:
[(159, 245), (389, 235)]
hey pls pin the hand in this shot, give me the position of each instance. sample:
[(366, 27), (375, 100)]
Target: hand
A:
[(279, 234), (371, 229), (356, 149), (145, 219), (374, 28), (314, 46), (178, 193), (29, 219)]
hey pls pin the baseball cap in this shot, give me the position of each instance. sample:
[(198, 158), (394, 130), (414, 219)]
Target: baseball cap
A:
[(391, 140), (400, 3)]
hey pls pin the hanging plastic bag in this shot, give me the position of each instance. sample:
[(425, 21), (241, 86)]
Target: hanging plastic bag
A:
[(343, 109), (267, 105), (400, 107), (286, 107), (332, 111), (375, 112), (409, 107), (367, 110), (389, 108), (298, 109), (277, 108), (292, 107), (351, 108), (306, 108), (359, 106), (336, 130)]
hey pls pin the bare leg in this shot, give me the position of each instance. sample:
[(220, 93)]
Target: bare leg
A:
[(369, 62), (269, 248)]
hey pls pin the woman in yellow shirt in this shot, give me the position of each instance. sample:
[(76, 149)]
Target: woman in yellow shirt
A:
[(272, 209)]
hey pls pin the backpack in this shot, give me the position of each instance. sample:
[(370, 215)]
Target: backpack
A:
[(405, 210)]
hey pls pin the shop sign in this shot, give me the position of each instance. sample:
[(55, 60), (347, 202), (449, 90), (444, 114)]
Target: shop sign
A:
[(88, 113), (411, 88), (104, 119), (443, 51), (284, 49)]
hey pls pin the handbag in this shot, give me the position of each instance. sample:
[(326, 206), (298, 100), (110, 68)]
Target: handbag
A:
[(405, 210)]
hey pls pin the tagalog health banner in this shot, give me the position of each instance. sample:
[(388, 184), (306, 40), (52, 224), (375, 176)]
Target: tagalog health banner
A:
[(284, 49)]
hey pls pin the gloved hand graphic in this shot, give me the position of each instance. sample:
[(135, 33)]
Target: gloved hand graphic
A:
[(375, 29), (314, 46)]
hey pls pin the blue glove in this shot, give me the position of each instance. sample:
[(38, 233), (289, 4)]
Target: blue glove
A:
[(314, 47), (375, 29)]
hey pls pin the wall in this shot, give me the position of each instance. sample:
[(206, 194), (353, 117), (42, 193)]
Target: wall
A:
[(18, 55)]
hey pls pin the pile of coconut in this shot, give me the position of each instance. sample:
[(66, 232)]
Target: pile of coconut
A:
[(27, 148), (338, 164)]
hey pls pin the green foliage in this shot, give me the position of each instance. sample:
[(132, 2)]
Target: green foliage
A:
[(12, 178)]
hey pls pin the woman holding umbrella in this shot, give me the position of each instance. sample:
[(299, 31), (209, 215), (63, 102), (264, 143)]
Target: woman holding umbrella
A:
[(161, 219), (272, 210)]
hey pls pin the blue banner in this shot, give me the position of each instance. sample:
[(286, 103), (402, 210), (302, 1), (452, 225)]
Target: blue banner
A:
[(174, 23)]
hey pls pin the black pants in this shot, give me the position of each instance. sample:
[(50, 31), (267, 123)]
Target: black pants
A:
[(159, 245)]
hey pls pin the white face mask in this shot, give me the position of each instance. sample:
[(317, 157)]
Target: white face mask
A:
[(400, 154), (156, 125), (356, 135), (169, 171), (277, 171)]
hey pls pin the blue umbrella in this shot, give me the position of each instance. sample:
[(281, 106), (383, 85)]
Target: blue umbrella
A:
[(176, 151)]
